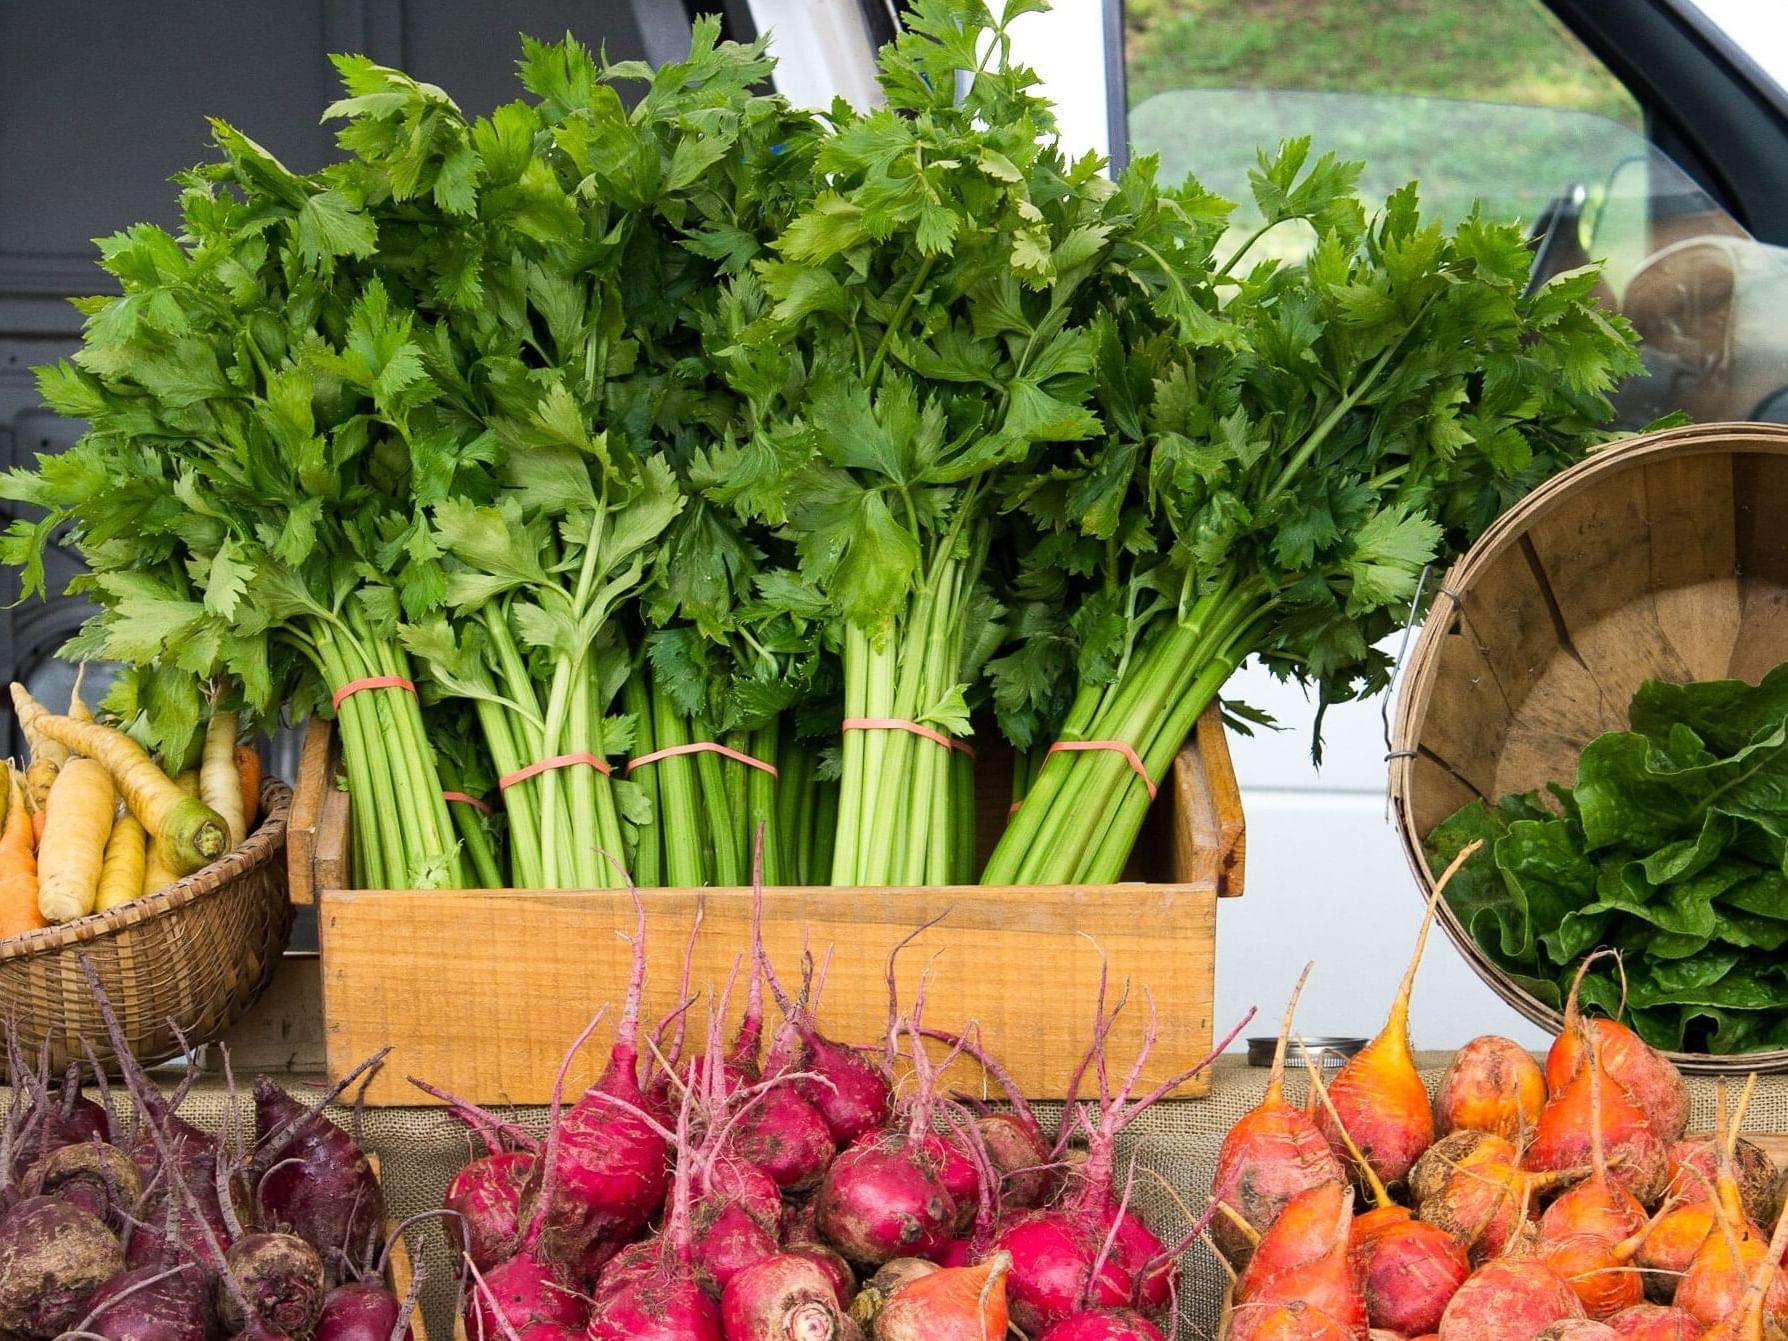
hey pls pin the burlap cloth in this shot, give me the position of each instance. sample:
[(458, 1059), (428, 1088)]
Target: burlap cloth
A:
[(1174, 1147)]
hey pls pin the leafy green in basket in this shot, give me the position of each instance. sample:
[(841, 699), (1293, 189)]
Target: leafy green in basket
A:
[(1670, 847)]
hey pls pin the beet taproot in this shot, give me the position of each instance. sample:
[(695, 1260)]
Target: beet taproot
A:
[(362, 1310), (950, 1304), (99, 1178), (282, 1277), (1105, 1324)]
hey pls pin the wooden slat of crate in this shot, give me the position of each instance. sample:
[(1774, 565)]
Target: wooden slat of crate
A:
[(478, 991)]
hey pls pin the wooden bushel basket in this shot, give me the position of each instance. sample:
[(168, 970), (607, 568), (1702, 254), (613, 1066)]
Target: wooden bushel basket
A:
[(1662, 557), (480, 991), (192, 957)]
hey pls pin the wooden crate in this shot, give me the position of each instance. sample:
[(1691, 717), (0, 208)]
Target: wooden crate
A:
[(479, 991)]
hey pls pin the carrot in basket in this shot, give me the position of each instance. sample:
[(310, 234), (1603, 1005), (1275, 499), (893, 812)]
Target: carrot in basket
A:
[(220, 785), (73, 850), (77, 706), (18, 866), (127, 854), (192, 832), (160, 870), (248, 769)]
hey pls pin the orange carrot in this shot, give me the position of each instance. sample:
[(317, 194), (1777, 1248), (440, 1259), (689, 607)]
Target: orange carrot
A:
[(18, 867), (39, 818), (248, 768)]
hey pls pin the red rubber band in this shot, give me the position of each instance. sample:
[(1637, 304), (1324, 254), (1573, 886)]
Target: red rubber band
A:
[(371, 682), (557, 761), (702, 747), (911, 728), (1115, 747), (466, 800)]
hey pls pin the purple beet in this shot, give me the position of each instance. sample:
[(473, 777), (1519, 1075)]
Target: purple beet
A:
[(360, 1311), (53, 1256), (101, 1179), (152, 1304), (281, 1277), (315, 1180)]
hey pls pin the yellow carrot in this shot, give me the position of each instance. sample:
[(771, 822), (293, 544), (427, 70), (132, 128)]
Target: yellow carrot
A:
[(158, 872), (193, 834), (73, 850), (39, 778), (77, 706), (248, 769), (18, 867), (220, 785), (121, 878)]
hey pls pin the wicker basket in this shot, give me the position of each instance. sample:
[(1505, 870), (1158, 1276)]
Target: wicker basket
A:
[(1664, 557), (193, 956)]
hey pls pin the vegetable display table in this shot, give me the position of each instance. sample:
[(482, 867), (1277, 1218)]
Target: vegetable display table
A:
[(1174, 1146)]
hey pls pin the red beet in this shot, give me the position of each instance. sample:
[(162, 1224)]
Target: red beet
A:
[(657, 1296), (1267, 1158), (486, 1197), (153, 1304), (1058, 1256), (1640, 1070), (885, 1196), (361, 1311), (784, 1298), (527, 1296), (1579, 1329), (850, 1092), (781, 1132), (1013, 1138), (1508, 1301), (282, 1278), (1106, 1324), (170, 1153), (610, 1171), (1492, 1084), (1057, 1251), (1654, 1322), (836, 1269), (53, 1256)]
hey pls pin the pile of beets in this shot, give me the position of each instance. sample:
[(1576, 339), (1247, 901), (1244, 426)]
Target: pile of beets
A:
[(153, 1230), (795, 1193), (1562, 1202)]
